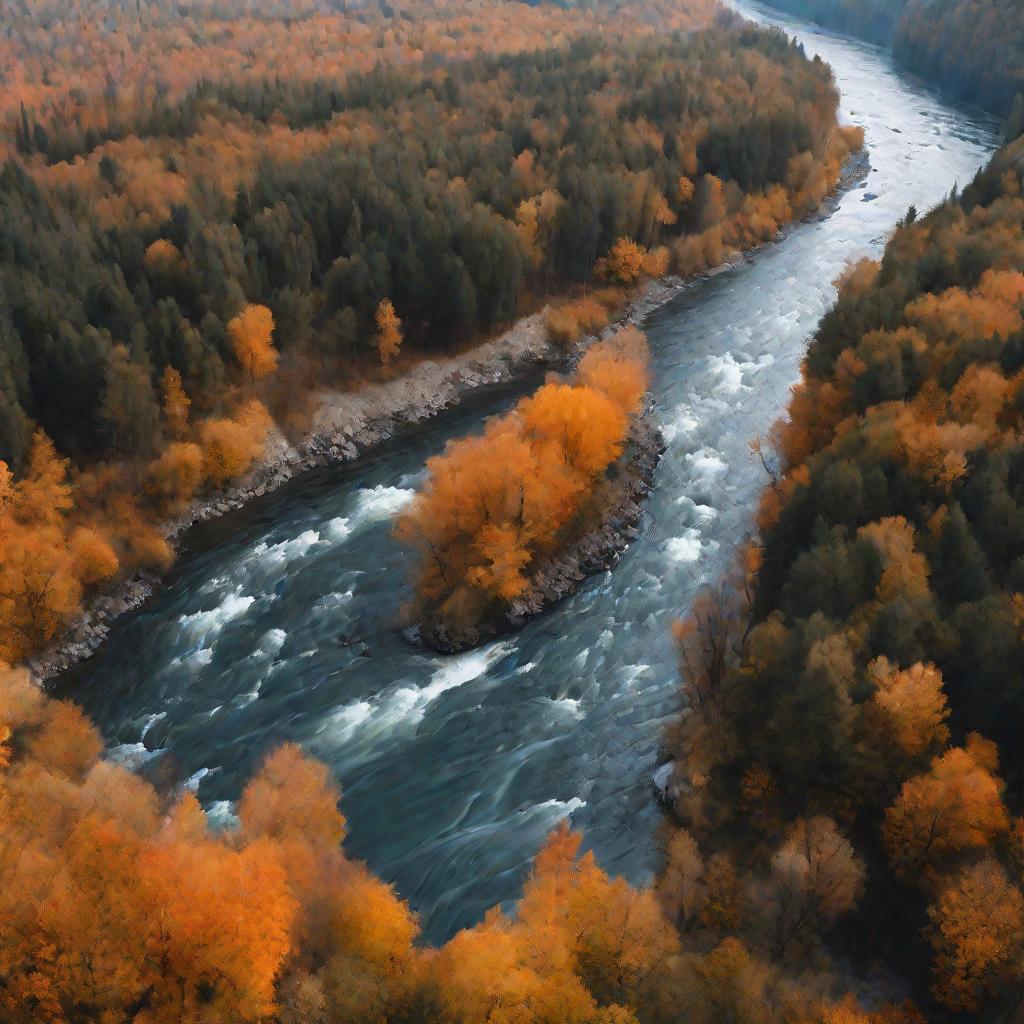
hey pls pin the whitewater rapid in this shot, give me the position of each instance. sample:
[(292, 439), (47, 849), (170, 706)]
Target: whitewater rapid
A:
[(278, 622)]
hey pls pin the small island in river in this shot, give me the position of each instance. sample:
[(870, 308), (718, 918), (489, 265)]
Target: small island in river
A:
[(515, 519)]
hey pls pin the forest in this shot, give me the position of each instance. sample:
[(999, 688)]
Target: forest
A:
[(852, 749), (193, 251), (456, 191), (199, 234), (972, 51)]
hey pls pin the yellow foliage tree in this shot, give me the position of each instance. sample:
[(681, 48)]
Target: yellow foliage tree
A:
[(251, 334), (389, 332), (176, 404)]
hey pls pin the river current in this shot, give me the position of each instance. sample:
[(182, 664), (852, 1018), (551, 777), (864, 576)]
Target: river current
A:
[(277, 623)]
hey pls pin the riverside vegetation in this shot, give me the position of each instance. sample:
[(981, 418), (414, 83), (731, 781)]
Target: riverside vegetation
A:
[(852, 750), (192, 250), (835, 730), (847, 773), (497, 509), (849, 754)]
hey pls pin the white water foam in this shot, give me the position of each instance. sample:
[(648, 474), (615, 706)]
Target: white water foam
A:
[(380, 502), (334, 600), (732, 371), (706, 464), (200, 625), (557, 809), (457, 672), (194, 659), (685, 423), (286, 551), (569, 705), (338, 529), (633, 673), (193, 782), (407, 705), (270, 643), (132, 755), (686, 549), (150, 722), (221, 815), (702, 513), (346, 720)]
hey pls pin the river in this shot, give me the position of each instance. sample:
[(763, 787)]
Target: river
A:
[(277, 623)]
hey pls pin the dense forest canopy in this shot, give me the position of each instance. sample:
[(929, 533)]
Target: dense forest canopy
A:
[(970, 49), (193, 248), (319, 196), (861, 675), (196, 227), (850, 756)]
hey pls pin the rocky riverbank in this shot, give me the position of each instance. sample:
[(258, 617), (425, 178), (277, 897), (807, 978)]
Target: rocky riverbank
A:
[(598, 550), (349, 423)]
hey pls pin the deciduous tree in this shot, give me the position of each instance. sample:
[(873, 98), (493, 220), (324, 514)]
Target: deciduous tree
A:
[(389, 332), (251, 334)]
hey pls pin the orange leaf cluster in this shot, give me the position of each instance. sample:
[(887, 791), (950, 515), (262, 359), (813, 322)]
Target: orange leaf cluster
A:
[(495, 505)]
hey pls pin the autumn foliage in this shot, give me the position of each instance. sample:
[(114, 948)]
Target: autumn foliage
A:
[(197, 228), (251, 334), (389, 332), (863, 659), (120, 904), (497, 505), (277, 183), (581, 317), (414, 179)]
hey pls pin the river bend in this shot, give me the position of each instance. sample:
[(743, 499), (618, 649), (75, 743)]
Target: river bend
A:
[(277, 622)]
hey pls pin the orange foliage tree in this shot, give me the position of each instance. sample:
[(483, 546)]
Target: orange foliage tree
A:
[(176, 404), (977, 931), (496, 504), (389, 332), (624, 262), (251, 334), (956, 806)]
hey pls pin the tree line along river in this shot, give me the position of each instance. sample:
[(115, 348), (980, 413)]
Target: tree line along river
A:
[(278, 622)]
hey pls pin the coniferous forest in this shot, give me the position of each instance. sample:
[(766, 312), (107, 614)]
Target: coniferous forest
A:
[(218, 217), (970, 50), (183, 267)]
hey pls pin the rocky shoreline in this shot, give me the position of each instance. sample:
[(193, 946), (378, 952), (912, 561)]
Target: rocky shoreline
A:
[(599, 550), (348, 424)]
